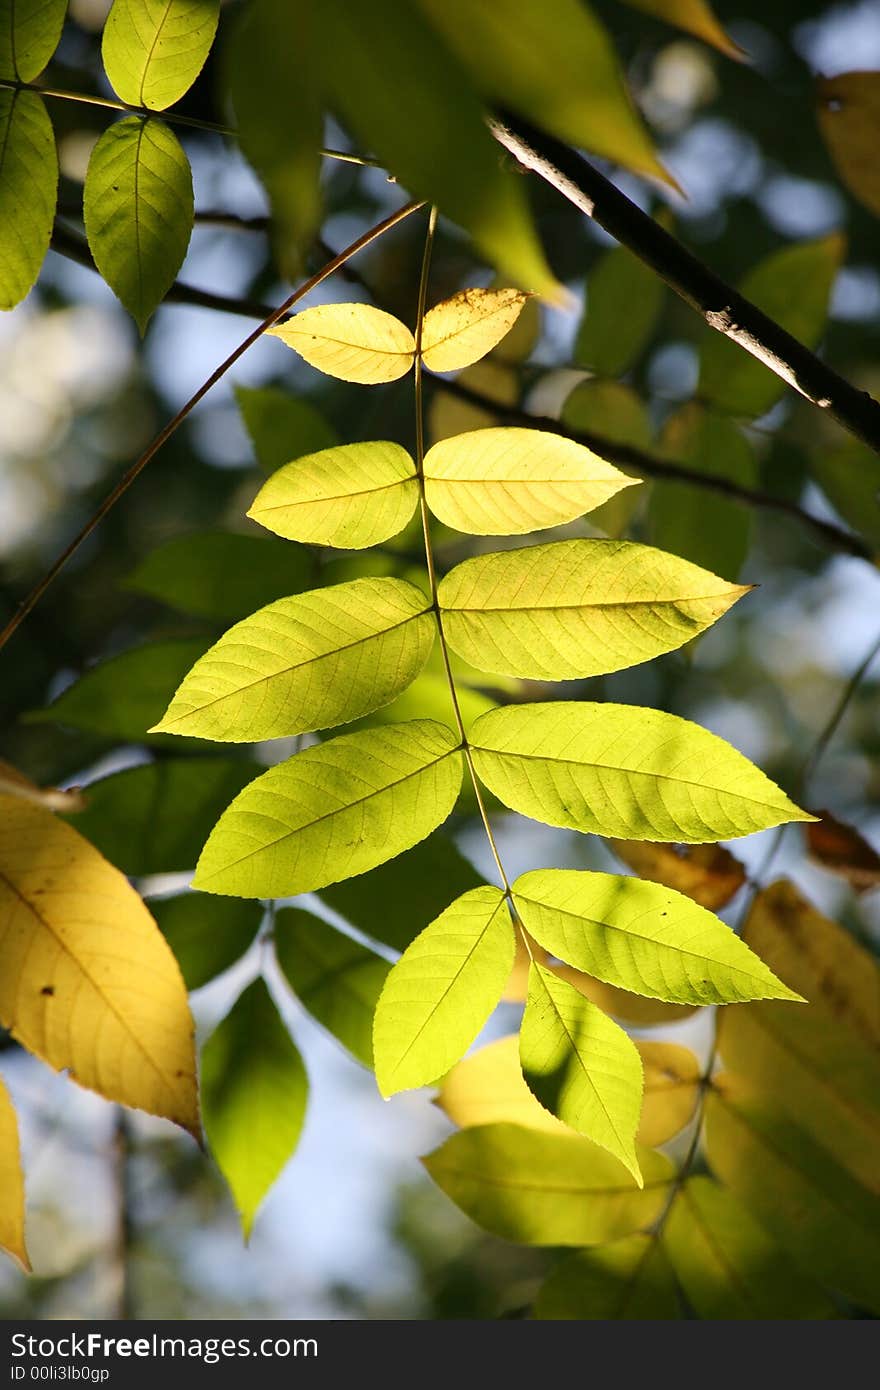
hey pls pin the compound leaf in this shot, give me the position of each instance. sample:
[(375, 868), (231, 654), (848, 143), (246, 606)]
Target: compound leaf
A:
[(461, 330), (353, 342), (153, 50)]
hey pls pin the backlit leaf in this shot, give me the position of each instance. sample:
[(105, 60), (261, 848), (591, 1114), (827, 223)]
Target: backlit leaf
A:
[(352, 496), (642, 937), (206, 934), (461, 330), (792, 286), (624, 771), (840, 848), (333, 811), (218, 574), (254, 1093), (850, 478), (624, 302), (281, 426), (11, 1184), (695, 17), (707, 873), (622, 1003), (28, 186), (138, 209), (672, 1076), (849, 119), (821, 1215), (441, 991), (336, 978), (306, 662), (547, 1189), (625, 1280), (88, 983), (505, 482), (728, 1266), (577, 608), (581, 1066), (353, 342), (153, 50), (29, 34)]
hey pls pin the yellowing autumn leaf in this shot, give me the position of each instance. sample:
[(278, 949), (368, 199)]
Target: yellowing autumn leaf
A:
[(849, 119), (695, 17), (87, 981), (461, 330), (11, 1184), (353, 342), (707, 873)]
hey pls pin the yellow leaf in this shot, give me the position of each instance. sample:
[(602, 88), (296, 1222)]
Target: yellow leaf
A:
[(695, 17), (707, 873), (461, 330), (353, 342), (849, 119), (11, 1184), (672, 1076), (632, 1008), (816, 957), (87, 981)]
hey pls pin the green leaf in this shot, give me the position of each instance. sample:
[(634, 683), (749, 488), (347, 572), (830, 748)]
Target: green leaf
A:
[(396, 901), (612, 411), (279, 118), (505, 482), (306, 662), (428, 697), (850, 478), (695, 17), (577, 608), (219, 574), (336, 978), (28, 187), (624, 303), (546, 1189), (460, 330), (563, 76), (629, 1279), (625, 771), (254, 1092), (642, 937), (138, 209), (404, 96), (333, 811), (29, 34), (154, 50), (793, 286), (729, 1268), (155, 818), (352, 496), (704, 526), (207, 935), (352, 342), (827, 1222), (281, 427), (581, 1067), (441, 991), (124, 696)]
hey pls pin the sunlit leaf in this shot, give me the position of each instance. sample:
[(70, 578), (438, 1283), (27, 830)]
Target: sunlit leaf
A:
[(547, 1189), (695, 17), (623, 771), (628, 1279), (336, 978), (138, 209), (850, 478), (254, 1093), (707, 873), (307, 662), (29, 34), (848, 107), (353, 342), (352, 496), (821, 1215), (818, 958), (622, 1003), (461, 330), (206, 934), (11, 1184), (333, 811), (153, 50), (624, 302), (581, 1066), (793, 287), (840, 848), (504, 482), (281, 426), (441, 991), (428, 697), (564, 76), (642, 937), (28, 186), (728, 1266), (88, 983), (577, 608), (218, 574)]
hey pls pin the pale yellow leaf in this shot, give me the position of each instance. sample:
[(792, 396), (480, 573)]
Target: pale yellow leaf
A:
[(11, 1184), (353, 342), (461, 330), (672, 1076), (707, 873), (88, 982), (849, 119)]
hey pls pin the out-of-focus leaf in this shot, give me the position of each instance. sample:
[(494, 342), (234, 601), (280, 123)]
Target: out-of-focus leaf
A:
[(29, 34), (448, 416), (11, 1184), (850, 478), (547, 1189), (793, 286), (707, 873), (672, 1076), (840, 848), (631, 1008), (336, 978), (281, 426), (849, 119), (612, 411), (206, 934), (624, 302), (624, 1280), (218, 574), (154, 50), (28, 187), (138, 209), (254, 1093), (695, 17)]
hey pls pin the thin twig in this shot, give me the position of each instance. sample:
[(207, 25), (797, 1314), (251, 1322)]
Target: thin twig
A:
[(122, 1300)]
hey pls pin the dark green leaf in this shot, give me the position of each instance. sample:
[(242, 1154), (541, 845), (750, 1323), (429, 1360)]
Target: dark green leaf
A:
[(282, 427), (624, 300), (222, 575), (206, 934)]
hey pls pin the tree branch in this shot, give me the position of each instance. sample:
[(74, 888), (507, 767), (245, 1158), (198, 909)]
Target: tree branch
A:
[(720, 306)]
